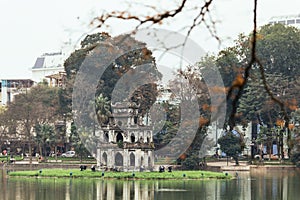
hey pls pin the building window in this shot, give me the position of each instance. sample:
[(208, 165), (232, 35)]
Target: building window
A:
[(106, 137), (281, 22), (132, 159), (119, 137), (132, 138), (292, 21), (298, 21), (135, 119), (119, 159), (141, 139), (104, 158), (142, 161)]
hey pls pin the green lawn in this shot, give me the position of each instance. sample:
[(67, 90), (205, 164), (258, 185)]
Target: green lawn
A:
[(121, 175)]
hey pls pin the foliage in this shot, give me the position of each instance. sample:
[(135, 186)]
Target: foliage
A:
[(76, 142), (44, 136), (197, 90), (191, 162), (102, 106), (295, 157), (231, 144), (145, 96), (7, 125), (36, 106), (278, 49), (170, 127)]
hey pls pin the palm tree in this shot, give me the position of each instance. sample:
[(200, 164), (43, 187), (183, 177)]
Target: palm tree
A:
[(102, 106), (43, 133)]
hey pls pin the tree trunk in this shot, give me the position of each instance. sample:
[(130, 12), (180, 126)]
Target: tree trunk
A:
[(270, 150), (278, 147), (281, 147), (289, 142), (40, 152), (30, 155), (55, 151), (45, 151), (236, 160)]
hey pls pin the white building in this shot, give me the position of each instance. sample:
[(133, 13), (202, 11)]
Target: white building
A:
[(12, 87), (47, 65), (292, 20)]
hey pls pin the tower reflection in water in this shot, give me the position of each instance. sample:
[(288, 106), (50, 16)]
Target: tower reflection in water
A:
[(125, 190)]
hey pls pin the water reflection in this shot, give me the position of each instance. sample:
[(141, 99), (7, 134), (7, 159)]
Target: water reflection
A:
[(257, 185), (276, 184)]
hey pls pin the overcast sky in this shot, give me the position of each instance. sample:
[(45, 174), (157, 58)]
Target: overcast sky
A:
[(33, 27)]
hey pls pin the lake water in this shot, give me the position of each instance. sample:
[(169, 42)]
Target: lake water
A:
[(272, 184)]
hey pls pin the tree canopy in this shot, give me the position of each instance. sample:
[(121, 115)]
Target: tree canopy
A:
[(231, 144), (145, 95)]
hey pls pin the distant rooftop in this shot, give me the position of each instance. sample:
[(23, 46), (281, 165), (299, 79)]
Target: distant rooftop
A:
[(16, 82), (286, 19), (49, 60)]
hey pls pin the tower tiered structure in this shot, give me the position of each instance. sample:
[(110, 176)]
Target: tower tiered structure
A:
[(126, 141)]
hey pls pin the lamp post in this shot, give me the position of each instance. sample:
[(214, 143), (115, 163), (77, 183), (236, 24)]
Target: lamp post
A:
[(217, 139)]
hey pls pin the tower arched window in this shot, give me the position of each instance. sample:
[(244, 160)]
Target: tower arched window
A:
[(132, 138)]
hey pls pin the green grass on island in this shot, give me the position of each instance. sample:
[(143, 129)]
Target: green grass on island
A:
[(74, 173)]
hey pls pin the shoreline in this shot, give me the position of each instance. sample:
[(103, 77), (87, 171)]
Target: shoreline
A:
[(217, 166), (244, 166)]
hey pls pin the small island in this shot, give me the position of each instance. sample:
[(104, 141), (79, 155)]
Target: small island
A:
[(77, 173)]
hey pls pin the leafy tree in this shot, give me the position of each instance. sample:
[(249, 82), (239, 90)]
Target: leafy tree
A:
[(232, 145), (35, 107), (232, 61), (274, 75), (271, 75), (295, 142), (76, 143), (44, 135), (266, 137), (170, 127), (126, 63), (6, 126), (144, 95), (191, 162), (254, 103), (191, 90), (278, 49), (102, 109)]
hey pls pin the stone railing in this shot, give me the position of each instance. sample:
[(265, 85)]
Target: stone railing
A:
[(138, 145)]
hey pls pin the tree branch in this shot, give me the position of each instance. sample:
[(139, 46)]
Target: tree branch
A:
[(241, 86)]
